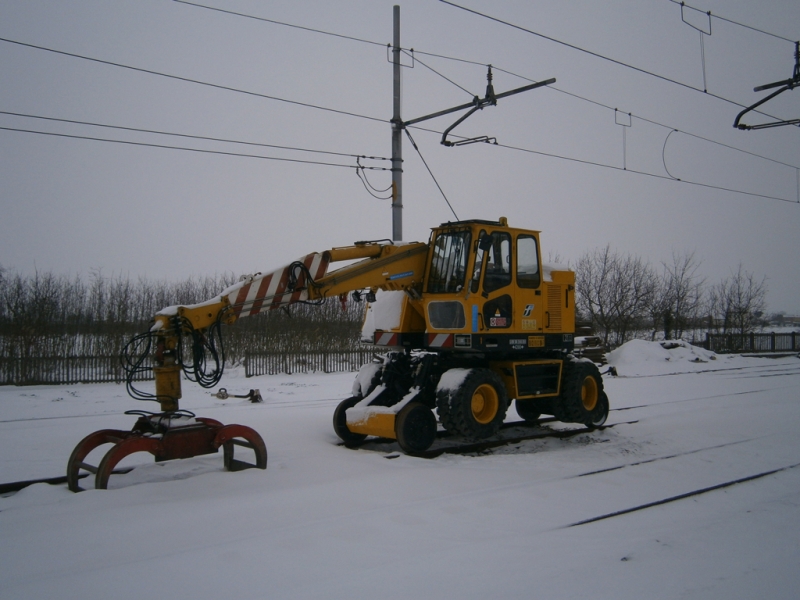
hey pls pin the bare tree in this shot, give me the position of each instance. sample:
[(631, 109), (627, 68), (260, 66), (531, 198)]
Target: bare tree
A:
[(615, 292), (737, 304), (680, 296)]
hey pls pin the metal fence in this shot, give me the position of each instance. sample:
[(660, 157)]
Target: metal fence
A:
[(52, 370), (39, 370), (726, 343), (272, 363)]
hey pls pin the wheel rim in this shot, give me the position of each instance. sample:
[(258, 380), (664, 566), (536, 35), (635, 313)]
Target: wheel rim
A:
[(589, 393), (485, 404)]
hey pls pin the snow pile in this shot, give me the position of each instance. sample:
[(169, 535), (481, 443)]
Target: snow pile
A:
[(640, 357)]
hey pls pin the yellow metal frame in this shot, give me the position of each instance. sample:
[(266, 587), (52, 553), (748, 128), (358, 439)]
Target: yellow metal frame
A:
[(377, 424), (510, 381)]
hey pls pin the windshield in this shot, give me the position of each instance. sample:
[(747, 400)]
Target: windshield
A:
[(449, 262)]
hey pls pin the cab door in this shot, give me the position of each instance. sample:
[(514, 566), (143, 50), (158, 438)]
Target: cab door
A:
[(495, 253), (530, 304)]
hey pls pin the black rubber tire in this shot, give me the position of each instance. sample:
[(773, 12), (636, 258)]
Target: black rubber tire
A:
[(477, 408), (582, 396), (599, 415), (415, 428), (349, 438), (528, 410)]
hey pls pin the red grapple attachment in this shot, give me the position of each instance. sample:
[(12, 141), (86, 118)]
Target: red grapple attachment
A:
[(167, 436)]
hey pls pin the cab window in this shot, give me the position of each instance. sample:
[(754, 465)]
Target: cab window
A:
[(498, 262), (528, 273), (448, 271), (476, 271)]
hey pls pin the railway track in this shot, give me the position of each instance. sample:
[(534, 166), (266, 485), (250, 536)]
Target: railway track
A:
[(776, 370), (697, 492), (512, 432)]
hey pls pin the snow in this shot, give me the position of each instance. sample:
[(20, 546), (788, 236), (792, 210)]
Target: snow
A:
[(639, 357), (383, 314), (452, 379), (325, 521), (364, 378), (548, 269)]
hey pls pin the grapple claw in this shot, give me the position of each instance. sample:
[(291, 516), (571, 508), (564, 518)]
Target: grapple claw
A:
[(167, 436)]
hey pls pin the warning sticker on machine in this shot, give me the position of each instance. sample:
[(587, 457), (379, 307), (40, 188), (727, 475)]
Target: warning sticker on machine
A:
[(529, 324)]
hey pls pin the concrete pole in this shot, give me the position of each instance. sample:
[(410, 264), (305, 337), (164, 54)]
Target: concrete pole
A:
[(397, 138)]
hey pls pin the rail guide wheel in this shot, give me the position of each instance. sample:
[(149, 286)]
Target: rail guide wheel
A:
[(415, 427)]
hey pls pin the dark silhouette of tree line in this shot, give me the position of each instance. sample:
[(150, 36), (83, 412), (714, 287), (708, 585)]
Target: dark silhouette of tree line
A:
[(625, 297), (49, 315), (620, 295)]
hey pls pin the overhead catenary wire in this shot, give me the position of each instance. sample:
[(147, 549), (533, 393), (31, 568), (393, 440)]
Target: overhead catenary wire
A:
[(731, 21), (190, 136), (654, 122), (610, 108), (600, 56), (411, 54), (187, 149), (415, 53), (353, 39), (274, 22), (638, 172), (424, 162), (228, 88), (371, 189), (669, 176), (194, 81)]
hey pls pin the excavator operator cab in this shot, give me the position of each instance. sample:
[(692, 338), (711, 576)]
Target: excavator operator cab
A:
[(485, 289)]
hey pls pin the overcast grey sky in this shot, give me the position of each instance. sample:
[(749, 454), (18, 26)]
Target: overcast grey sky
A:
[(73, 206)]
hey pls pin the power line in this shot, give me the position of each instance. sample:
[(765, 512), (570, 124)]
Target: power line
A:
[(637, 172), (611, 108), (194, 137), (654, 122), (424, 162), (195, 81), (708, 12), (415, 59), (256, 94), (413, 54), (600, 56), (274, 22), (187, 149)]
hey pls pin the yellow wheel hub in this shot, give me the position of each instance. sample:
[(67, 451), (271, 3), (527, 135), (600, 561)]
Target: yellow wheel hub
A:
[(485, 404), (589, 393)]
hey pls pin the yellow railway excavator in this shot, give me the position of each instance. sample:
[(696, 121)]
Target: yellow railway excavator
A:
[(470, 320)]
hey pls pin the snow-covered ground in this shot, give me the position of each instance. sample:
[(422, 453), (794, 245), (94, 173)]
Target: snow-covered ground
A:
[(327, 522)]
